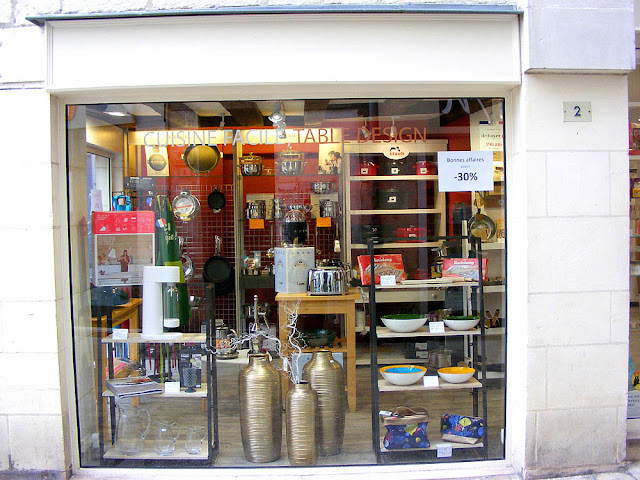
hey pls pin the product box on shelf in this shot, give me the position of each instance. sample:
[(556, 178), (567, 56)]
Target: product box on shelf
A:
[(390, 264), (416, 350), (190, 357), (465, 268)]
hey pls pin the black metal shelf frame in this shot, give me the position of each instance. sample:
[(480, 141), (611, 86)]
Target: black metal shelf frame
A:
[(375, 393)]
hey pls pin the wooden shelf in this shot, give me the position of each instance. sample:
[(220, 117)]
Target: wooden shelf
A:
[(199, 393), (385, 386), (493, 289), (136, 338), (148, 453), (434, 440), (384, 332), (405, 211), (365, 178), (493, 246), (426, 286), (380, 246)]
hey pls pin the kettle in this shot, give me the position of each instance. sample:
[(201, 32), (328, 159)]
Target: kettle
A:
[(224, 348)]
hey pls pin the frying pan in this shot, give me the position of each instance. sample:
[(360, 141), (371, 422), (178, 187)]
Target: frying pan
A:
[(216, 200), (218, 270), (481, 225), (201, 158)]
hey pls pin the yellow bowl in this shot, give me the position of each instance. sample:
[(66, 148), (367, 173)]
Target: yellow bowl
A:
[(456, 374)]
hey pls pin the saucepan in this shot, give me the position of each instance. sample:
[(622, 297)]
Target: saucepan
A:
[(481, 226)]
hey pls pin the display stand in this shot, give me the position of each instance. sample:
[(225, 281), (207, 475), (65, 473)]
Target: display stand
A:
[(471, 337), (318, 304), (109, 456)]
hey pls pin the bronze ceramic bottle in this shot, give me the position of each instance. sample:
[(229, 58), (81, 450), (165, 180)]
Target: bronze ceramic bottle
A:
[(326, 377), (302, 424), (260, 410)]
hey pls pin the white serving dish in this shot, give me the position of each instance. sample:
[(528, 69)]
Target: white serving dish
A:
[(403, 323), (454, 324), (403, 374), (456, 374)]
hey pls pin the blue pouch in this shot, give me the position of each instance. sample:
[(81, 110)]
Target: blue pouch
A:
[(461, 428), (406, 428)]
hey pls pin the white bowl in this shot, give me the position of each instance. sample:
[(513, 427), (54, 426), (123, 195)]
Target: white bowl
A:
[(404, 322), (455, 324), (403, 374), (456, 374)]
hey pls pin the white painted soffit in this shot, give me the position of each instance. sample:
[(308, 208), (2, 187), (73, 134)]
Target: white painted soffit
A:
[(253, 51)]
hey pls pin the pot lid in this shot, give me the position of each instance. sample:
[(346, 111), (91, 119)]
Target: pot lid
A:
[(251, 158), (291, 155)]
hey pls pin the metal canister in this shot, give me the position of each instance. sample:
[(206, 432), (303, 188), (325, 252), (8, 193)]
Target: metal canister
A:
[(256, 209), (278, 208), (441, 358), (328, 208)]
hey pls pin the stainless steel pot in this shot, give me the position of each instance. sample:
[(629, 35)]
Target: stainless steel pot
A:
[(278, 209), (251, 169), (328, 208), (321, 187), (251, 165), (256, 209), (291, 162), (327, 281)]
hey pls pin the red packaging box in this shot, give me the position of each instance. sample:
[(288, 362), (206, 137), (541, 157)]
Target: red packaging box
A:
[(466, 268), (384, 265)]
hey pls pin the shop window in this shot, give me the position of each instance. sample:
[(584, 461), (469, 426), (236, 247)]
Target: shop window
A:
[(222, 258)]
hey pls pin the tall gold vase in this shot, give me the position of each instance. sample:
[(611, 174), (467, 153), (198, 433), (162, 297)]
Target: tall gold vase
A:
[(326, 377), (302, 424), (260, 410)]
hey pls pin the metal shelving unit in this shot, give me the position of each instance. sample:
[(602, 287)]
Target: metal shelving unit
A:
[(109, 456), (473, 337)]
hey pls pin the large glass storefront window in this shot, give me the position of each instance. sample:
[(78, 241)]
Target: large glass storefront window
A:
[(221, 271)]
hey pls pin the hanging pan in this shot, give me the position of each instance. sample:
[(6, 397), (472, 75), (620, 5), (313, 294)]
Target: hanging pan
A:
[(216, 200), (481, 226), (218, 270), (201, 158)]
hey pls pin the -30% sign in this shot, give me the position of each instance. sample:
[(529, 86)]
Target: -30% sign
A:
[(467, 176), (465, 171)]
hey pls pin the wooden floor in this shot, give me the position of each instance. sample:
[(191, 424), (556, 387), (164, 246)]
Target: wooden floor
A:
[(357, 447)]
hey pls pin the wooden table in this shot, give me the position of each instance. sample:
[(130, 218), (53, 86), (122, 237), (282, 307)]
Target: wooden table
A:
[(324, 305)]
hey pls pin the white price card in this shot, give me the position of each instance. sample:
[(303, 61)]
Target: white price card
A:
[(465, 171), (444, 450), (171, 387), (120, 333), (387, 280), (436, 327), (430, 381)]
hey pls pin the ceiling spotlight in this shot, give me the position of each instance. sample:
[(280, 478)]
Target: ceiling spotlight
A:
[(221, 123), (364, 132), (393, 131), (278, 115), (116, 110)]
